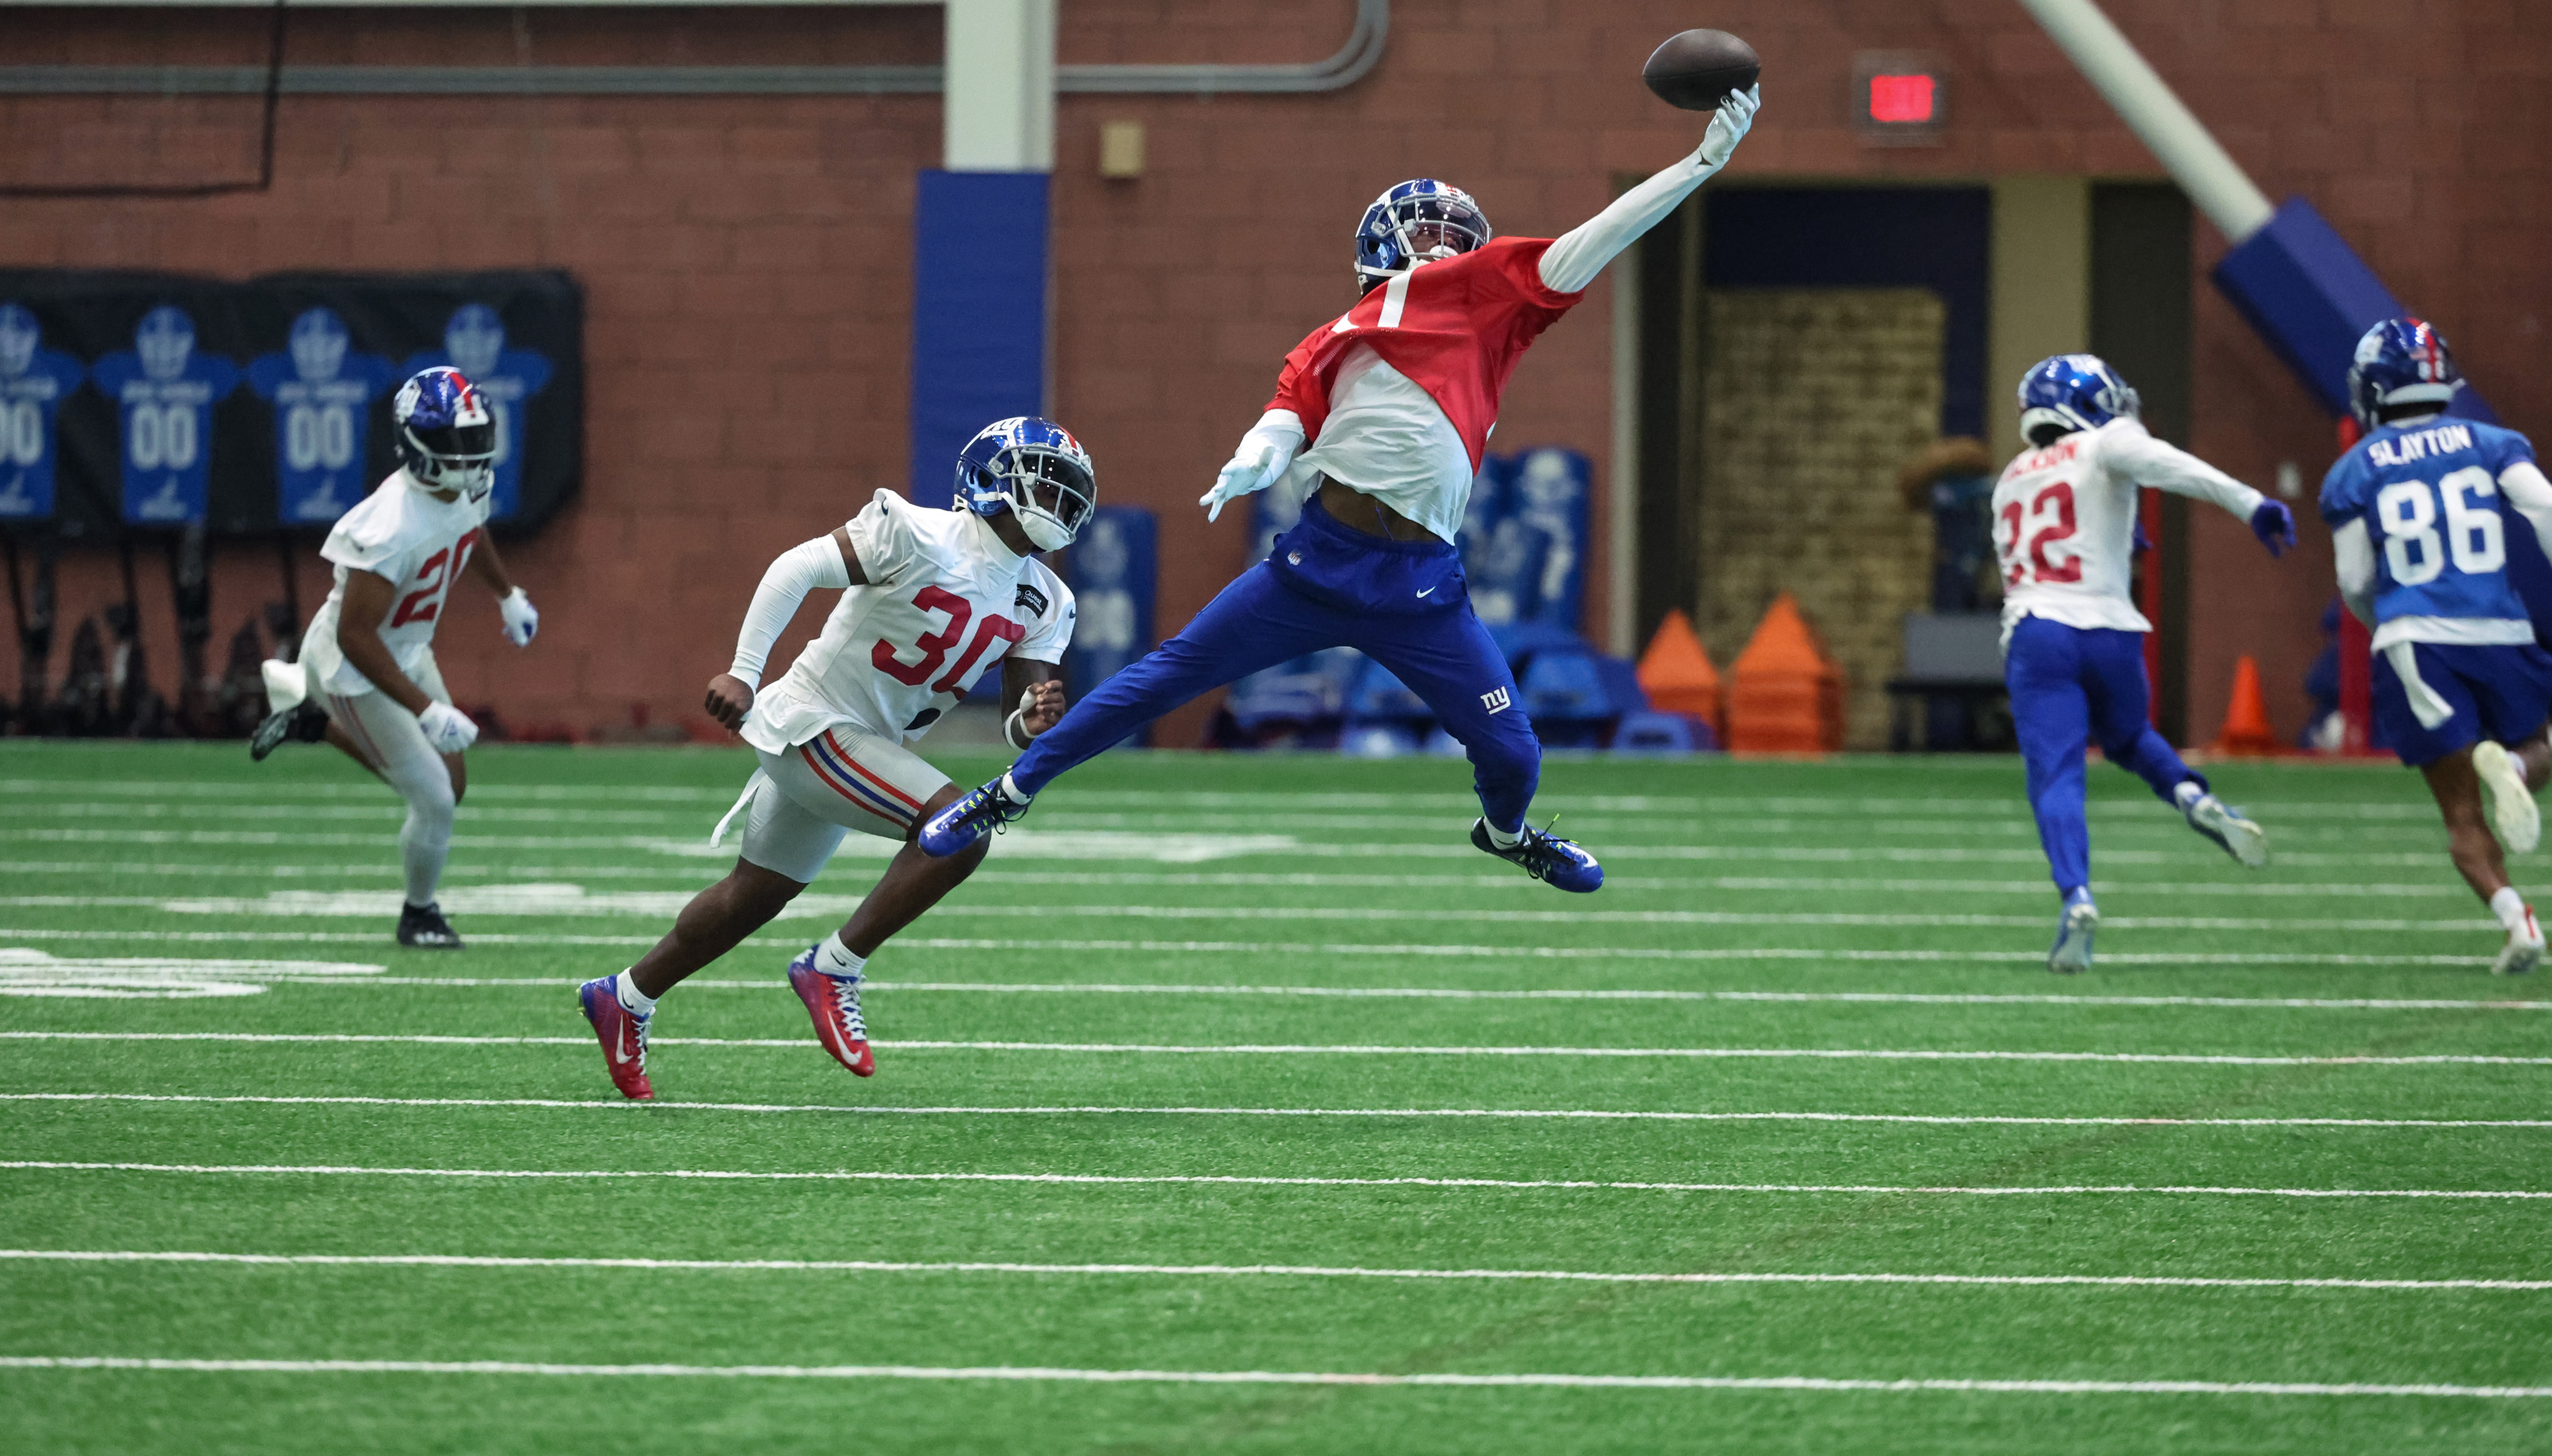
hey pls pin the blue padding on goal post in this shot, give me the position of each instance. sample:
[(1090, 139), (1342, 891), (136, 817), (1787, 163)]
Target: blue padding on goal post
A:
[(2309, 295), (979, 314)]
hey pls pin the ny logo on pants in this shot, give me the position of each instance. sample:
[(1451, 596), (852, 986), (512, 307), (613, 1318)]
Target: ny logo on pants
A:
[(1495, 700)]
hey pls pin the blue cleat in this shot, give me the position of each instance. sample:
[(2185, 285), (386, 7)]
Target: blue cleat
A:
[(1545, 856), (978, 813), (624, 1037), (2075, 927)]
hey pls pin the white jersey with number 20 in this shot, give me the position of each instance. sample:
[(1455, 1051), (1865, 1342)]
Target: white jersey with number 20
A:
[(2064, 520), (422, 545), (945, 602)]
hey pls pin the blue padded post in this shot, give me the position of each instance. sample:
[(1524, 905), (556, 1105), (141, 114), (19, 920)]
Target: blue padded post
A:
[(979, 314)]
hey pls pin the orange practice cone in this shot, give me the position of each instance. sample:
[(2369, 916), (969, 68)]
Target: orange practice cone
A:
[(1787, 694), (2246, 720), (1676, 673)]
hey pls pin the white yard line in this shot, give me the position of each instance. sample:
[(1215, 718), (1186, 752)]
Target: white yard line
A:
[(1247, 1271), (1318, 1049), (1054, 1374), (1487, 1113), (1259, 1181), (1300, 948)]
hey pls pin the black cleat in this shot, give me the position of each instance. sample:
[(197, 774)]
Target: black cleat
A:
[(423, 928), (303, 722), (1545, 856)]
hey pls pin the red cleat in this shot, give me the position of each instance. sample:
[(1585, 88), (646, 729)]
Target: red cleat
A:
[(834, 1002), (624, 1037)]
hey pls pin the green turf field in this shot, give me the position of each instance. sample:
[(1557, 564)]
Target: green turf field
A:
[(1238, 1103)]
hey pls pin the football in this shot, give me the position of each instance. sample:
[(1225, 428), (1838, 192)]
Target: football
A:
[(1698, 69)]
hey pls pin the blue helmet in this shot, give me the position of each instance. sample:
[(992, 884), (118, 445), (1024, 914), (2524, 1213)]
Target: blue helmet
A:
[(2402, 361), (2069, 392), (1417, 222), (1033, 468), (447, 435)]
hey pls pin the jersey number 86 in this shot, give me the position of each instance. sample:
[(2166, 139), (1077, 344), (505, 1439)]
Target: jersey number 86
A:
[(2474, 536)]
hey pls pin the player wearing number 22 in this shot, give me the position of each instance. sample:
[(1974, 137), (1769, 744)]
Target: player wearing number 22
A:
[(1396, 398), (2422, 554), (2064, 527), (367, 680), (934, 600)]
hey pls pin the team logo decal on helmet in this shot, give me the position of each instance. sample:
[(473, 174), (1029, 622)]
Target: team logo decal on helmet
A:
[(1419, 221), (2069, 392), (2402, 361), (1033, 468), (446, 436)]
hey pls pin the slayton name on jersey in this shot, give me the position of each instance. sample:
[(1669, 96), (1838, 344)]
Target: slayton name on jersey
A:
[(945, 602)]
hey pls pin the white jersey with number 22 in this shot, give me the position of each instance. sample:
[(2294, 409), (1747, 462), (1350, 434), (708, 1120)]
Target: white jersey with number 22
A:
[(2064, 520)]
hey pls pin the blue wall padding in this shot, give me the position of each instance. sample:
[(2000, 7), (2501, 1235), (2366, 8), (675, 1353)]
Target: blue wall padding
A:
[(2309, 295), (979, 314)]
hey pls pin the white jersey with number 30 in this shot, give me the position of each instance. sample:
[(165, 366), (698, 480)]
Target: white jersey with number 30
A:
[(945, 602), (2064, 520)]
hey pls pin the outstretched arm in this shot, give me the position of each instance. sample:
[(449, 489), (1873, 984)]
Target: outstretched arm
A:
[(1265, 454), (1574, 258), (826, 561), (2150, 461)]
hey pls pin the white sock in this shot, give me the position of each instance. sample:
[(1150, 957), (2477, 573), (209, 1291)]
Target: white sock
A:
[(1503, 838), (2187, 793), (632, 1000), (2509, 907), (1010, 790), (835, 958)]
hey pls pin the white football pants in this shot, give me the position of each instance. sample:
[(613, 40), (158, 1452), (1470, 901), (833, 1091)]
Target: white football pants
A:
[(390, 741)]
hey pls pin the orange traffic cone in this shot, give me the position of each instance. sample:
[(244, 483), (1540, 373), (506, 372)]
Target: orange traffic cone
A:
[(2245, 721), (1787, 694), (1676, 673)]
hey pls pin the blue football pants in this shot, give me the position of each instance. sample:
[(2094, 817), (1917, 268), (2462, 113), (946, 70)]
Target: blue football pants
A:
[(1444, 656), (2071, 688)]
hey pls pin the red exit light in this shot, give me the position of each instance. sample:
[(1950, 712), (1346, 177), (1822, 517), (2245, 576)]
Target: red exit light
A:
[(1901, 100)]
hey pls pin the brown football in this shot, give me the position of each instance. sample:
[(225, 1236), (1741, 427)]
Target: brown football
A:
[(1698, 69)]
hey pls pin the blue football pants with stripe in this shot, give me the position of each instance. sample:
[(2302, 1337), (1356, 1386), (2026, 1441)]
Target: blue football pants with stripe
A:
[(2071, 688), (1444, 656)]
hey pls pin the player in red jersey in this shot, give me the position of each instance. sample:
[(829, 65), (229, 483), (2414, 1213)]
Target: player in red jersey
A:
[(1395, 398)]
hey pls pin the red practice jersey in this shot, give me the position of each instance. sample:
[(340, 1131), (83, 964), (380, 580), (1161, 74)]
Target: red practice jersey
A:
[(1455, 327)]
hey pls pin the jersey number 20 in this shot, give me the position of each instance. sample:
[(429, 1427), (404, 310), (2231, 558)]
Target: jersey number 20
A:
[(2474, 536), (934, 647)]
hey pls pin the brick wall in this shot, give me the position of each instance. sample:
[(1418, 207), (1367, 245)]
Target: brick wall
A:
[(1817, 395), (747, 258)]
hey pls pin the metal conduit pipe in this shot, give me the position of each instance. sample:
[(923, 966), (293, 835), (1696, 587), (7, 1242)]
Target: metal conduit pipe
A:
[(1362, 51)]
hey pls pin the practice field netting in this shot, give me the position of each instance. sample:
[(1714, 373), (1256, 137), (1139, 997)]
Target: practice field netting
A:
[(1238, 1103)]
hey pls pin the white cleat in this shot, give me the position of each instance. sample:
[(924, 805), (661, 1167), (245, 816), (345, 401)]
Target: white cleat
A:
[(2241, 838), (2524, 951), (2513, 816), (2080, 920)]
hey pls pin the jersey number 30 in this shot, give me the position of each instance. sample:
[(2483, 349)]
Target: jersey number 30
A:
[(2407, 510), (934, 647), (2054, 506)]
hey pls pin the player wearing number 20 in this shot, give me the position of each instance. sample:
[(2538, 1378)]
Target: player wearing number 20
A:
[(367, 680), (935, 599), (2422, 551), (2064, 521)]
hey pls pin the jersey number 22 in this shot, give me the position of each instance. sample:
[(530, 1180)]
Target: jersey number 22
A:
[(2052, 512)]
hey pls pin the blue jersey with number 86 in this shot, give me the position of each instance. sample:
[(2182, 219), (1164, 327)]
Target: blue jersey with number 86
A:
[(2429, 493)]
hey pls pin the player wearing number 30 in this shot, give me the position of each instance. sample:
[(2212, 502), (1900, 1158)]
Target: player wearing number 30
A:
[(935, 599), (2422, 548), (367, 680), (2064, 525)]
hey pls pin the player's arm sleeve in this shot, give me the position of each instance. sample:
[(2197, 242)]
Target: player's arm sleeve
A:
[(2355, 551), (2525, 487), (1574, 258), (799, 569), (2149, 461), (1052, 634)]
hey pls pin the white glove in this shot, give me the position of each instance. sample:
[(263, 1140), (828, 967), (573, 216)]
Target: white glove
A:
[(522, 619), (1729, 125), (447, 728), (1264, 453)]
